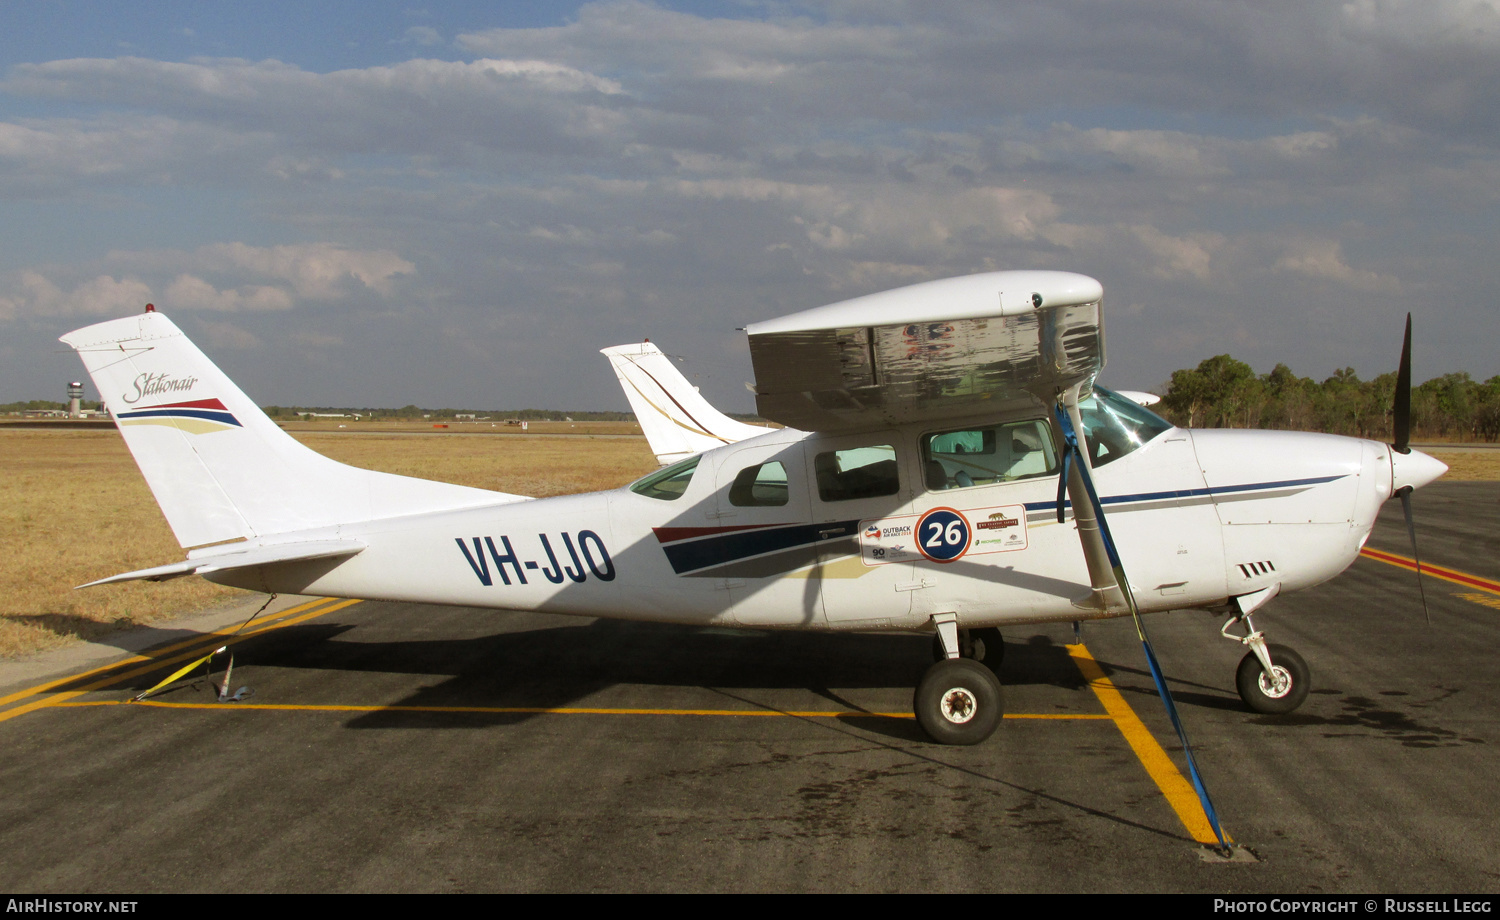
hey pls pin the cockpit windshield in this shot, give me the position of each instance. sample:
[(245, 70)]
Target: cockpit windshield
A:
[(1114, 426)]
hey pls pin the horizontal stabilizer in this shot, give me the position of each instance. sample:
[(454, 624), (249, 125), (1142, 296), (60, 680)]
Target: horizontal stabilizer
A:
[(240, 559)]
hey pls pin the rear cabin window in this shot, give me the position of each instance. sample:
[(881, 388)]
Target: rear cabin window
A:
[(667, 484), (860, 472), (759, 486), (983, 456)]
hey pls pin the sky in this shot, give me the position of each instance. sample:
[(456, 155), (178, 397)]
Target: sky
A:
[(456, 205)]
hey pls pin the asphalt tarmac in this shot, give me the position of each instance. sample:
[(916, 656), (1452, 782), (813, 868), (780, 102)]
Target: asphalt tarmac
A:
[(398, 747)]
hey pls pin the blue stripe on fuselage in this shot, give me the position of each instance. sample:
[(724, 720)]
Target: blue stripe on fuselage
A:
[(1191, 493), (691, 555)]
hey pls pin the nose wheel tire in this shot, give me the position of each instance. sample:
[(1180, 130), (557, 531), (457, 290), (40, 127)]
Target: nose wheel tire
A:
[(985, 645), (1276, 693), (959, 701)]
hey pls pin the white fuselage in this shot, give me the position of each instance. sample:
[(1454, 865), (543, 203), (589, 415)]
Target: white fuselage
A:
[(1199, 516)]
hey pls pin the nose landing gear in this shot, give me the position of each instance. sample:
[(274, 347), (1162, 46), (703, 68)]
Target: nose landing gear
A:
[(1271, 679)]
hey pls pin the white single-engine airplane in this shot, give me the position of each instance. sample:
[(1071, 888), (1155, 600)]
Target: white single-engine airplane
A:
[(946, 468)]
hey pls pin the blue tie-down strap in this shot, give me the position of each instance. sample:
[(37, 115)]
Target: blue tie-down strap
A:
[(1072, 453)]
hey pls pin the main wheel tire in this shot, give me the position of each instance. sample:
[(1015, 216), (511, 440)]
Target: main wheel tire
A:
[(959, 701), (1274, 694), (985, 644)]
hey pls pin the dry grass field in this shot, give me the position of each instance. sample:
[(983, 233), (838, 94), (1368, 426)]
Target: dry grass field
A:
[(73, 508)]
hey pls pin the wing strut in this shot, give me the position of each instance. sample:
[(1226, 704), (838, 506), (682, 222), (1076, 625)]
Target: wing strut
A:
[(1093, 533)]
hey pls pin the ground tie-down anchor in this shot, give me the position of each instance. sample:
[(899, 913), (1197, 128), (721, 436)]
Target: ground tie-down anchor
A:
[(1214, 854), (222, 691), (243, 693)]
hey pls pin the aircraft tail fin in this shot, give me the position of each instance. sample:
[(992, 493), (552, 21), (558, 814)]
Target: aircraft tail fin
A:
[(677, 421), (220, 469)]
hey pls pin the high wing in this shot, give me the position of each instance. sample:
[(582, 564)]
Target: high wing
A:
[(932, 351), (992, 344), (676, 420)]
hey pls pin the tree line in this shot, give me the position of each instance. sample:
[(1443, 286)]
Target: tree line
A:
[(1222, 392)]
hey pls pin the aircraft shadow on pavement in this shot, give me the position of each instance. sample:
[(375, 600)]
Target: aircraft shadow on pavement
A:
[(557, 666)]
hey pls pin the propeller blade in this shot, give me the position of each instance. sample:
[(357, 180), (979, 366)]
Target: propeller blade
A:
[(1401, 443), (1073, 451), (1411, 531), (1401, 410)]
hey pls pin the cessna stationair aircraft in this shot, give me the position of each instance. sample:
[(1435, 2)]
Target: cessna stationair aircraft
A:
[(946, 468)]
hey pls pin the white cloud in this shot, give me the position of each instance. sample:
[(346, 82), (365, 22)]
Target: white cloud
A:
[(102, 295), (1324, 259), (1178, 256), (192, 293), (249, 279), (316, 271)]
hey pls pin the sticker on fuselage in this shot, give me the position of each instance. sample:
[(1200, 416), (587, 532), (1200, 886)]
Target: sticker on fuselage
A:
[(943, 534)]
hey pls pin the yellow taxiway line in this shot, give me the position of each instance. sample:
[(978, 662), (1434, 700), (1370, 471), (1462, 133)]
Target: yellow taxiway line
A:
[(193, 647), (1436, 571), (1178, 791), (565, 710)]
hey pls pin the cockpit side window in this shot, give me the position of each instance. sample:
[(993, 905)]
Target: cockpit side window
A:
[(1114, 426), (667, 484), (982, 456)]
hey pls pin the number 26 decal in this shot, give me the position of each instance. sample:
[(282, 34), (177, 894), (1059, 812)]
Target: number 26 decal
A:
[(943, 534)]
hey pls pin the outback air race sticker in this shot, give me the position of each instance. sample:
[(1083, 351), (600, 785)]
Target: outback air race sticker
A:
[(943, 534)]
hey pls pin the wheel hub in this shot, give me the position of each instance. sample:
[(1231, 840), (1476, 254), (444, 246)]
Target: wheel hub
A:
[(959, 705), (1276, 685)]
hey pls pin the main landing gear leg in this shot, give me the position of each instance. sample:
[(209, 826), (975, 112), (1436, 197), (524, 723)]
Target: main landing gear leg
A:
[(985, 644), (1271, 679), (959, 699)]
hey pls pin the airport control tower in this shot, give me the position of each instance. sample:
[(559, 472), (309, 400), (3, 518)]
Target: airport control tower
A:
[(75, 400)]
